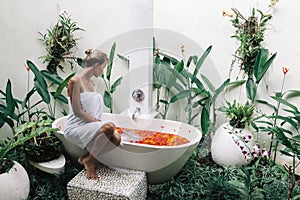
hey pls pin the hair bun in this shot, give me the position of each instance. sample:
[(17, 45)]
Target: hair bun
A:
[(88, 51)]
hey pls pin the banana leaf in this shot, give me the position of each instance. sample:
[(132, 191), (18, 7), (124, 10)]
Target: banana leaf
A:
[(111, 60)]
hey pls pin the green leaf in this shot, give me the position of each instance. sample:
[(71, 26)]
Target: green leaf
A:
[(157, 61), (79, 62), (292, 93), (261, 66), (63, 85), (266, 103), (208, 83), (124, 59), (43, 92), (286, 119), (60, 97), (38, 75), (198, 83), (251, 89), (178, 87), (111, 60), (235, 84), (297, 137), (39, 82), (164, 101), (201, 61), (10, 103), (169, 59), (192, 59), (205, 122), (179, 66), (280, 100), (115, 85), (157, 85), (107, 99), (54, 78), (180, 95), (286, 153), (5, 119), (28, 95), (220, 89), (260, 60), (176, 74)]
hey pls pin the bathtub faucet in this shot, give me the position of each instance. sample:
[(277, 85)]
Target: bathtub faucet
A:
[(136, 112)]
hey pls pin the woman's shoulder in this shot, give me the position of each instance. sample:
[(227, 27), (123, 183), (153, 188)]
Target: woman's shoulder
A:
[(75, 78)]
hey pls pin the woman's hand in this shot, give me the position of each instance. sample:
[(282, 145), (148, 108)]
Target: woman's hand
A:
[(97, 120)]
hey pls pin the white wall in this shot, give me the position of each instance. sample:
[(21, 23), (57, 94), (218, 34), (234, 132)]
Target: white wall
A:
[(203, 22), (199, 20)]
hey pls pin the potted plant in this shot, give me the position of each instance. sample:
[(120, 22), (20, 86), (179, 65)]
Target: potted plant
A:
[(233, 141), (13, 177), (46, 146), (42, 147)]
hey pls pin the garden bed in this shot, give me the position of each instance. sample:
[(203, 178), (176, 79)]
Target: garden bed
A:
[(200, 178)]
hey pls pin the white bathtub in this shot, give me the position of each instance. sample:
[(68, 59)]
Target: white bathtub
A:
[(160, 162)]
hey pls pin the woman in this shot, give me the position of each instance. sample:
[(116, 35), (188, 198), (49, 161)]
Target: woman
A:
[(84, 126)]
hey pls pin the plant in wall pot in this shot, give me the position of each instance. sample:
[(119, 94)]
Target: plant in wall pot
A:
[(233, 141), (59, 42), (252, 57)]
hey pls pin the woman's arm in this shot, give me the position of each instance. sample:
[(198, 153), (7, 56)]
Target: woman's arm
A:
[(74, 90)]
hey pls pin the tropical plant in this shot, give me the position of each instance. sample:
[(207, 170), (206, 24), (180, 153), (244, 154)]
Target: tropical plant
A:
[(173, 81), (252, 56), (277, 124), (111, 87), (283, 125), (32, 129), (15, 112), (41, 86), (59, 41), (239, 115)]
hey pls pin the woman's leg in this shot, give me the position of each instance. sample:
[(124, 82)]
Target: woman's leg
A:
[(101, 144), (114, 141)]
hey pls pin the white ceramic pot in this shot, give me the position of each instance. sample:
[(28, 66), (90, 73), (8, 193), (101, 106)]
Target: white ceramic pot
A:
[(231, 146), (15, 184)]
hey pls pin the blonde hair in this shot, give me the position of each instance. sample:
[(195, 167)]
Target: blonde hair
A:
[(94, 56)]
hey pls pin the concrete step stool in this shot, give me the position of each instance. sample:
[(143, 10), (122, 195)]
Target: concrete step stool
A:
[(113, 183)]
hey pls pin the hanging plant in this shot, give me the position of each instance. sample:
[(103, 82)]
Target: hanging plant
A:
[(252, 57), (59, 42)]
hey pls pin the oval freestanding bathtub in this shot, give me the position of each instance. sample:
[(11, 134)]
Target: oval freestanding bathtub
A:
[(160, 163)]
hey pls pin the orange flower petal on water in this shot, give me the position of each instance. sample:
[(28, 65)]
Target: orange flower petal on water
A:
[(155, 138)]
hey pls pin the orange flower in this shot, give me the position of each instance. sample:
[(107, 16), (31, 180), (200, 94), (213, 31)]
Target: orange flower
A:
[(285, 70)]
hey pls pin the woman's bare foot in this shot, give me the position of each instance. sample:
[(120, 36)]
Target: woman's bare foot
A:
[(90, 168), (80, 159)]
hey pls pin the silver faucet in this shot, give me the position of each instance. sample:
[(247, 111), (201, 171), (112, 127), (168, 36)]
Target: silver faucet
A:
[(137, 111)]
